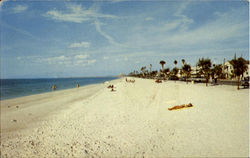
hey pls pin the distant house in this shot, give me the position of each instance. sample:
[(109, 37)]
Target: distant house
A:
[(228, 70), (247, 72), (179, 73), (194, 71)]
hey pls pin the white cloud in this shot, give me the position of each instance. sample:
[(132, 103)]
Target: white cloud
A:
[(105, 35), (182, 20), (217, 32), (53, 60), (181, 8), (77, 14), (78, 45), (149, 18), (65, 60), (61, 57), (98, 28), (79, 62), (171, 25), (105, 57), (91, 61), (81, 56), (20, 8)]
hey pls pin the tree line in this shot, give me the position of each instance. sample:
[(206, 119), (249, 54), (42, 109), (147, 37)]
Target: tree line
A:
[(205, 69)]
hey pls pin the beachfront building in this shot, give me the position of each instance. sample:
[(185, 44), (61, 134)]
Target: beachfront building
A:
[(194, 71), (247, 72), (228, 70), (179, 74)]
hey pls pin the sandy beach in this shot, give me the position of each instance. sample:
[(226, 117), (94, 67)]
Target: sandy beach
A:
[(132, 121)]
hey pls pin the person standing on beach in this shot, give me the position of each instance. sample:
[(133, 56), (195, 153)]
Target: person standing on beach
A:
[(215, 79), (54, 87), (77, 85)]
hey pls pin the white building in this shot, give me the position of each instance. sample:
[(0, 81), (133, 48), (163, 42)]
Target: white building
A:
[(228, 70), (194, 71), (247, 72)]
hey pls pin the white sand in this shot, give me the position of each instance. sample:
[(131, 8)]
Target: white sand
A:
[(132, 121)]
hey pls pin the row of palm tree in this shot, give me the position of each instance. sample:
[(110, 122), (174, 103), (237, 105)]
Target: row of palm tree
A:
[(205, 69), (164, 72), (240, 66)]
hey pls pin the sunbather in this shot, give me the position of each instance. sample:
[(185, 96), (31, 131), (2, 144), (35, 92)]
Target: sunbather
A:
[(181, 106)]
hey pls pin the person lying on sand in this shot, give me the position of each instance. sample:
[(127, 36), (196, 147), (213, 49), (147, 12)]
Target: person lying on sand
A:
[(158, 81), (181, 106)]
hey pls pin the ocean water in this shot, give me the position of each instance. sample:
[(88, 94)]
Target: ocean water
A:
[(13, 88)]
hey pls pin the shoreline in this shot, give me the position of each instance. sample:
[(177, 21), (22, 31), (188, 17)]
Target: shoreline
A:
[(133, 120), (230, 84), (55, 90), (25, 103)]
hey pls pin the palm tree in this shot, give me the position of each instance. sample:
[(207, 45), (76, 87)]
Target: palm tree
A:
[(175, 71), (175, 62), (143, 70), (166, 71), (217, 70), (150, 67), (153, 73), (183, 61), (240, 66), (162, 62), (187, 71), (205, 65)]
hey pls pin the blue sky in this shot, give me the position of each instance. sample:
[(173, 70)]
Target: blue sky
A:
[(41, 39)]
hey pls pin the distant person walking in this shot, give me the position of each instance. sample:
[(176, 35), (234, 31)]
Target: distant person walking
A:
[(215, 80), (77, 85), (54, 87)]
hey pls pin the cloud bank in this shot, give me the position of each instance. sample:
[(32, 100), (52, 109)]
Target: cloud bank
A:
[(19, 8)]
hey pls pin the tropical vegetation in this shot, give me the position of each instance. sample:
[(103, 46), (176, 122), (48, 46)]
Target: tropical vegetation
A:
[(240, 66), (186, 71), (204, 69)]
